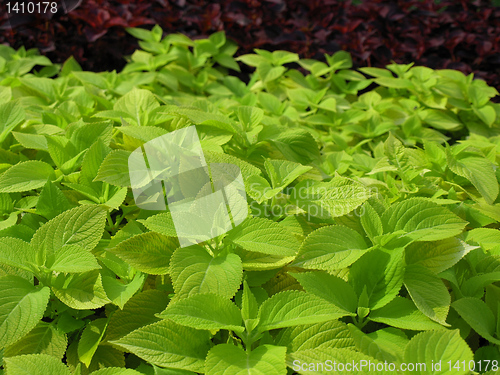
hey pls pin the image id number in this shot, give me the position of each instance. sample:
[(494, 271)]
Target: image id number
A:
[(32, 7)]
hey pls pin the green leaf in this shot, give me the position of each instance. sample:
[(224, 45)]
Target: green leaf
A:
[(252, 59), (161, 223), (371, 222), (297, 145), (25, 176), (90, 339), (11, 114), (80, 291), (437, 256), (71, 258), (402, 313), (284, 172), (114, 169), (428, 292), (330, 334), (21, 307), (167, 344), (331, 288), (479, 171), (330, 248), (200, 117), (488, 238), (45, 338), (139, 311), (52, 201), (204, 311), (118, 291), (229, 359), (479, 316), (322, 361), (148, 252), (17, 253), (246, 168), (249, 308), (422, 220), (250, 117), (264, 236), (91, 163), (441, 120), (81, 228), (443, 346), (372, 347), (194, 271), (35, 364), (116, 371), (326, 200), (291, 308), (380, 274), (136, 103)]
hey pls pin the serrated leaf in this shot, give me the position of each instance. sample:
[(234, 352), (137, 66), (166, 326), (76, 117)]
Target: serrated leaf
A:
[(168, 344), (443, 346), (437, 256), (21, 307), (330, 334), (25, 176), (114, 169), (82, 226), (488, 238), (284, 172), (326, 200), (479, 171), (371, 222), (193, 271), (229, 359), (161, 223), (331, 288), (204, 311), (137, 102), (264, 236), (116, 371), (17, 253), (291, 308), (80, 291), (380, 274), (428, 292), (90, 339), (316, 361), (11, 114), (479, 316), (35, 364), (422, 220), (402, 313), (43, 339), (330, 248), (148, 252), (249, 307), (72, 258), (51, 201), (118, 292), (139, 311), (369, 346)]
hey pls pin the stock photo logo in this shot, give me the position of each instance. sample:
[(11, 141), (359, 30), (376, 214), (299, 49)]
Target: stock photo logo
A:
[(205, 200)]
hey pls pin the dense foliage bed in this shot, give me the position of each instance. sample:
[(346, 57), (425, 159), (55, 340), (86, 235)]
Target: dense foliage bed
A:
[(372, 235)]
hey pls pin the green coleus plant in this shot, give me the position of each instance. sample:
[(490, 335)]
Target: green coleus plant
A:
[(371, 243)]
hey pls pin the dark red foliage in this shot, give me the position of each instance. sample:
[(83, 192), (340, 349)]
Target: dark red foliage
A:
[(456, 34)]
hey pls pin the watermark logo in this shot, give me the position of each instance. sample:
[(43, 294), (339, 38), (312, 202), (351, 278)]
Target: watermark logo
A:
[(205, 200)]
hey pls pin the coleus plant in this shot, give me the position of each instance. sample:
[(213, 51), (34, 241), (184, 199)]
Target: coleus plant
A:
[(372, 235)]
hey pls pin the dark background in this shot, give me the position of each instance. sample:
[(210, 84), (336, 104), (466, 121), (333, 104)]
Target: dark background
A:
[(463, 35)]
